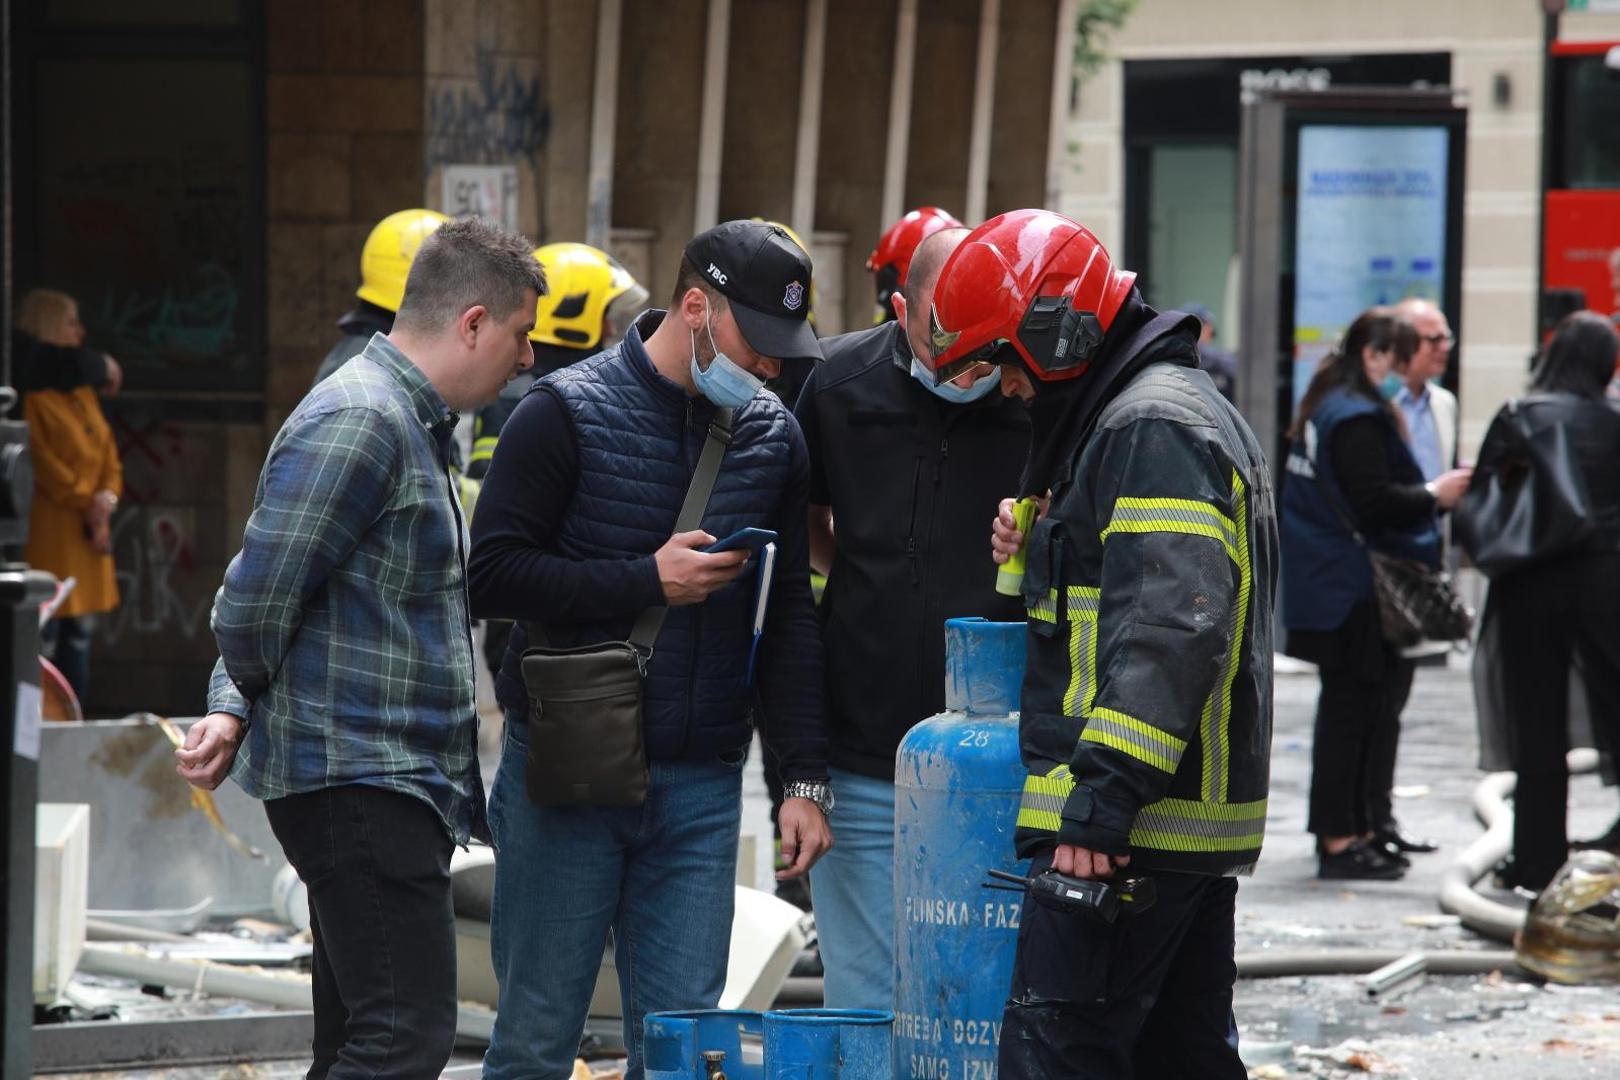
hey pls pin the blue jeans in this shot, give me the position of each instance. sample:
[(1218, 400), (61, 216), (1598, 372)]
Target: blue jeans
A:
[(853, 889), (659, 875)]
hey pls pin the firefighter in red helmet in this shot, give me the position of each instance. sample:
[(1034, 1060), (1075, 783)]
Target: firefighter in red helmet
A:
[(891, 258), (1146, 711)]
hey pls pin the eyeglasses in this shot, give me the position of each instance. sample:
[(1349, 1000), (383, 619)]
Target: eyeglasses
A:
[(1436, 339), (942, 339)]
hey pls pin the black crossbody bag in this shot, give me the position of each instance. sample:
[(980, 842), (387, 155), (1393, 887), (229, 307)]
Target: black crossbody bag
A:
[(585, 725)]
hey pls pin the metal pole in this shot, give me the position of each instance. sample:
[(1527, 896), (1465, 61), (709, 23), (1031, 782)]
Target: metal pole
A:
[(713, 123), (984, 104), (604, 116), (894, 161), (1057, 141), (1549, 35), (807, 152), (21, 591)]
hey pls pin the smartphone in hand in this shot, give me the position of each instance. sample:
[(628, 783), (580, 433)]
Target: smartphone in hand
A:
[(742, 540)]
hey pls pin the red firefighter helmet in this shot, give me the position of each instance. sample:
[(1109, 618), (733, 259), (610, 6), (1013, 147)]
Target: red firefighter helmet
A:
[(892, 257), (1032, 281)]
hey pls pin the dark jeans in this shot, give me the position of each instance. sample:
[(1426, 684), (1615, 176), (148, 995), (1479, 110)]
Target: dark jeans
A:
[(1550, 614), (377, 863), (1149, 997), (1353, 752)]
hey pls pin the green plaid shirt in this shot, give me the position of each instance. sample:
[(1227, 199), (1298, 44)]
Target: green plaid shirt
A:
[(343, 629)]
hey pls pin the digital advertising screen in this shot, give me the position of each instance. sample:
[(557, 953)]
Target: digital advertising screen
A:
[(1370, 228)]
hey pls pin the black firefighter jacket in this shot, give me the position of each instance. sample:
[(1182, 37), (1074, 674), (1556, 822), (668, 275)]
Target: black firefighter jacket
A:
[(1146, 723), (913, 483)]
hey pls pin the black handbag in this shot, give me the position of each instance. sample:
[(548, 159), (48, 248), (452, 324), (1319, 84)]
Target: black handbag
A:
[(585, 723), (1528, 500), (1415, 602)]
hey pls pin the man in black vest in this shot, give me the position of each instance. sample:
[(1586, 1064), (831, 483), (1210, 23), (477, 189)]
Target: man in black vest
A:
[(907, 470), (576, 531), (1145, 721)]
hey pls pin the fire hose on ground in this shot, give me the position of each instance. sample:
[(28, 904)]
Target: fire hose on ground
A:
[(1457, 894)]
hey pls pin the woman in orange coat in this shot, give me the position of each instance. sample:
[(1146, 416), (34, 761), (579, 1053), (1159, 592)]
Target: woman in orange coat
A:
[(77, 481)]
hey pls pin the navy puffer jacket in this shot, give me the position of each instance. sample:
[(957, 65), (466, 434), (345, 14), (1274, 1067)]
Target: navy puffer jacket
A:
[(634, 438)]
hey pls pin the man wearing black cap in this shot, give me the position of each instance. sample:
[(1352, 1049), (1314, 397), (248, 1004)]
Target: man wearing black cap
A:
[(574, 531)]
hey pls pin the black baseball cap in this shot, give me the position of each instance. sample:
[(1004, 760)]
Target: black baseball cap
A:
[(766, 276)]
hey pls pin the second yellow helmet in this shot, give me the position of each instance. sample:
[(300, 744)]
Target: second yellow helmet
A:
[(585, 287), (389, 250)]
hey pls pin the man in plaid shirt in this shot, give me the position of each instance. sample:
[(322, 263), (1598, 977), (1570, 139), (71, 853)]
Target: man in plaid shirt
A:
[(344, 692)]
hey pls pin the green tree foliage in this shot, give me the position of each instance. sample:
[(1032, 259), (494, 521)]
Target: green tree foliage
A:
[(1095, 21)]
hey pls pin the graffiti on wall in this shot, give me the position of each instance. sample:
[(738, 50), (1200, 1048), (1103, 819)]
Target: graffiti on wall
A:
[(500, 118), (152, 551), (194, 321)]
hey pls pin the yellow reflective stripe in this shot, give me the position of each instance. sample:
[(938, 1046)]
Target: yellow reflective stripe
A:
[(1107, 731), (1082, 689), (1216, 723), (1141, 740), (1041, 807), (1138, 515), (1185, 825), (1084, 600), (484, 449), (1191, 825)]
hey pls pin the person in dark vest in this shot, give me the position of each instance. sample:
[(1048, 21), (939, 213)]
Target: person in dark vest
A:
[(1349, 462), (907, 469), (574, 531), (590, 301), (1145, 719)]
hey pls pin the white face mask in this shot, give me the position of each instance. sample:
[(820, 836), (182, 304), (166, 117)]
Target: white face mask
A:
[(724, 383), (949, 391)]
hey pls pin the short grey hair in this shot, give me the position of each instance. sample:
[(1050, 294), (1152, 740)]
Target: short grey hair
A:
[(464, 263)]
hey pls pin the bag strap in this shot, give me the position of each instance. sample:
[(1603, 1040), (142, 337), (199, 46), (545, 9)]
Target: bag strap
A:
[(1332, 499), (651, 621)]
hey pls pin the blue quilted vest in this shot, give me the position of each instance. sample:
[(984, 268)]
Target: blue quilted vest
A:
[(1325, 573), (638, 437)]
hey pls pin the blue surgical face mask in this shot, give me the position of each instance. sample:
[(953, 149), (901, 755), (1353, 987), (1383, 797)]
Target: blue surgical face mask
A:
[(1390, 386), (725, 384), (949, 391)]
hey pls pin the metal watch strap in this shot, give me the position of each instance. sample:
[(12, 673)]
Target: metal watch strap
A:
[(817, 791)]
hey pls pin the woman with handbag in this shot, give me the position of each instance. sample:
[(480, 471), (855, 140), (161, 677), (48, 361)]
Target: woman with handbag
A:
[(1542, 520), (1353, 490)]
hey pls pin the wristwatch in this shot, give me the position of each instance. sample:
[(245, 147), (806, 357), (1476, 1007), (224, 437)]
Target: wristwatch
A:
[(817, 791)]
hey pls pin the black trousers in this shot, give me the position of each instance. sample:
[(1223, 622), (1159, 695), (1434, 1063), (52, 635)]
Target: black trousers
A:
[(1149, 997), (377, 863), (1358, 728), (1548, 615)]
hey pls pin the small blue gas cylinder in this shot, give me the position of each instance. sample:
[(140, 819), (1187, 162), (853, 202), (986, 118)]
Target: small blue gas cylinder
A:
[(827, 1044), (958, 779)]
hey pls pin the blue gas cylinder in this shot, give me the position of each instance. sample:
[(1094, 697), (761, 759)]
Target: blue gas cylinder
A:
[(958, 779)]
